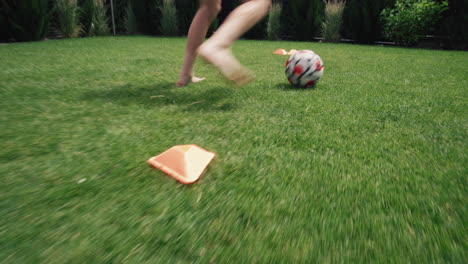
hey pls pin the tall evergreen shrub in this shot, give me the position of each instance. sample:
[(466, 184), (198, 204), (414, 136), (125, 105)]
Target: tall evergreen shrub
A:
[(130, 21), (4, 32), (304, 18), (362, 19), (26, 20), (148, 16)]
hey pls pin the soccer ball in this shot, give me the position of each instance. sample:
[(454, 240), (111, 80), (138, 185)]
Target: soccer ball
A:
[(304, 69)]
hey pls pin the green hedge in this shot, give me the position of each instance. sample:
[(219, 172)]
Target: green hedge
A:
[(4, 31), (147, 15), (410, 20), (454, 25), (302, 19), (26, 20), (362, 20)]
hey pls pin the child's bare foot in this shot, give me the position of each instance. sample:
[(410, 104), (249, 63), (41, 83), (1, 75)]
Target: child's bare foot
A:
[(226, 63), (183, 81), (242, 77)]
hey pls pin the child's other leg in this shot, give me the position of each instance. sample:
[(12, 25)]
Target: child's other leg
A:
[(205, 15), (217, 49)]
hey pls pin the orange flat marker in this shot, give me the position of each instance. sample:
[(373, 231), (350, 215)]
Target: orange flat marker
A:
[(280, 52), (291, 52), (185, 163)]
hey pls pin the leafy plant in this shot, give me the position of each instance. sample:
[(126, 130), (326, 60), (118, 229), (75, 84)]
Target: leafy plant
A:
[(274, 22), (27, 19), (87, 9), (168, 18), (409, 20), (100, 24), (331, 27), (67, 18)]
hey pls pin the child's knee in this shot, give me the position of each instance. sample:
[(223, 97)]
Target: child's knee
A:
[(217, 7), (212, 10)]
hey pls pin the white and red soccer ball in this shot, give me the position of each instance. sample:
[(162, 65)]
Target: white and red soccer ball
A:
[(304, 69)]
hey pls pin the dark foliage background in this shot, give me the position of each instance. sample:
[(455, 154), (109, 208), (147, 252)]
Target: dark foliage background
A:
[(28, 20)]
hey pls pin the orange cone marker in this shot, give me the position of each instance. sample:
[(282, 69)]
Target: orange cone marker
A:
[(280, 52), (291, 52), (185, 163), (284, 52)]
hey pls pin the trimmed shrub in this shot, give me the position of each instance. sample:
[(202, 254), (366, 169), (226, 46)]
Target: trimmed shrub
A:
[(168, 18), (67, 18), (100, 23), (148, 16), (454, 25), (331, 28), (304, 18), (274, 22), (26, 20), (362, 19), (410, 20)]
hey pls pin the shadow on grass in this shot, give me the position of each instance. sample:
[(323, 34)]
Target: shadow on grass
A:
[(288, 87), (164, 94)]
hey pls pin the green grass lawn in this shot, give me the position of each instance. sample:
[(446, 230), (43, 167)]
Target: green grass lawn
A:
[(370, 166)]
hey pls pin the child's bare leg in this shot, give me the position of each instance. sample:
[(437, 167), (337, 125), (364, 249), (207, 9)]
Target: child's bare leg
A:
[(217, 49), (206, 13)]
